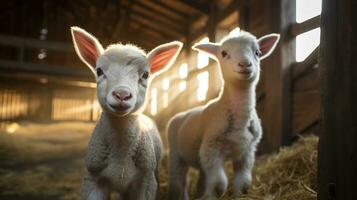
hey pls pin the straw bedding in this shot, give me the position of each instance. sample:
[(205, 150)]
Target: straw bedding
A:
[(46, 162)]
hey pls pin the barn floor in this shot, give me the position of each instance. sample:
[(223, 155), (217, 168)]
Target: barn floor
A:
[(44, 161)]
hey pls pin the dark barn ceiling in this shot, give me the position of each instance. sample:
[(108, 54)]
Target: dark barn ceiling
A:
[(144, 22), (35, 34)]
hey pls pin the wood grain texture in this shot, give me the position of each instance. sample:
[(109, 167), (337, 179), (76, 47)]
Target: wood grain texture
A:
[(337, 165)]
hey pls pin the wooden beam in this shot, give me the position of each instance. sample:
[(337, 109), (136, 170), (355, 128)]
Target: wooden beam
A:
[(169, 8), (337, 159), (34, 43), (298, 28), (123, 21), (302, 68), (74, 72), (202, 8), (150, 6), (168, 24), (157, 27), (278, 87), (221, 15)]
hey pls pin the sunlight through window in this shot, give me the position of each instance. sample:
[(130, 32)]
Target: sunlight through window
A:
[(306, 9), (202, 85), (153, 101), (183, 70), (306, 44), (165, 84), (165, 100), (182, 86), (202, 58)]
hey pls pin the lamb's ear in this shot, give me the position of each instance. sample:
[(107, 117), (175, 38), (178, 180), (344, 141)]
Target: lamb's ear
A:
[(210, 48), (163, 55), (87, 47), (267, 44)]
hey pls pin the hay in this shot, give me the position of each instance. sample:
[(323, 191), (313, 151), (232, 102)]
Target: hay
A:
[(45, 162), (289, 174)]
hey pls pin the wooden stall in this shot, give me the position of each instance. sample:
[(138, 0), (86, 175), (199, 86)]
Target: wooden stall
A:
[(43, 80)]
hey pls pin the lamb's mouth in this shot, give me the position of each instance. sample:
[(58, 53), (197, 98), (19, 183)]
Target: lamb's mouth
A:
[(120, 108), (244, 72)]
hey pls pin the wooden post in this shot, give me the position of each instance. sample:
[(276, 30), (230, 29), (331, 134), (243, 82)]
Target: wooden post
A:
[(277, 72), (337, 167)]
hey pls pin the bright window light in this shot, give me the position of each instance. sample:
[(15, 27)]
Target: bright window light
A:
[(183, 70), (165, 84), (202, 58), (307, 9), (153, 101), (165, 100), (234, 32), (202, 85), (182, 85), (306, 44)]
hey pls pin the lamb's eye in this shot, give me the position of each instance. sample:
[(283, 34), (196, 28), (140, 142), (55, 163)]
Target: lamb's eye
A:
[(99, 72), (145, 75), (258, 53), (224, 53)]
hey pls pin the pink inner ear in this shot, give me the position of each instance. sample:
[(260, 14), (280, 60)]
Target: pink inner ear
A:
[(87, 48), (267, 44), (162, 58)]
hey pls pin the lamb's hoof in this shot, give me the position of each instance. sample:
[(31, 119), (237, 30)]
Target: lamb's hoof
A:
[(240, 192)]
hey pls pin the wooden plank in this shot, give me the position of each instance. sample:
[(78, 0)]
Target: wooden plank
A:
[(278, 99), (221, 15), (203, 8), (304, 67), (13, 66), (337, 160), (155, 11), (298, 28), (306, 109), (35, 43)]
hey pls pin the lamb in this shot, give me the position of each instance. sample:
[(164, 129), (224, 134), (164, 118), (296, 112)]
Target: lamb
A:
[(125, 149), (225, 128)]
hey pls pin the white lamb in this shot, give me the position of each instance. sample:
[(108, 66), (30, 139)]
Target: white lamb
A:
[(125, 149), (225, 128)]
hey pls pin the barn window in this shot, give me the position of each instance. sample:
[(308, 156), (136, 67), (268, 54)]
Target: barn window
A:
[(165, 100), (202, 58), (183, 70), (153, 101), (182, 86), (165, 84), (183, 75), (165, 96), (202, 85), (308, 41), (307, 9)]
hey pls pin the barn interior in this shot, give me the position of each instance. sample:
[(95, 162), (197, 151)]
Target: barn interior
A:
[(48, 104)]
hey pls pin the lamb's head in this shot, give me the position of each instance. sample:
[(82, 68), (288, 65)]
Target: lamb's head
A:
[(239, 56), (122, 71)]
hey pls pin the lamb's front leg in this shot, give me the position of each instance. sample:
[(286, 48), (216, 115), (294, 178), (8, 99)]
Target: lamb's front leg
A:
[(212, 161), (93, 189), (243, 173), (97, 153), (147, 187)]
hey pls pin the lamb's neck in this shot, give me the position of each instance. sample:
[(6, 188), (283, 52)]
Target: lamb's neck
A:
[(238, 97), (122, 126)]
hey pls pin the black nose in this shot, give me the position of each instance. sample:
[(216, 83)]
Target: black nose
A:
[(245, 64), (122, 94)]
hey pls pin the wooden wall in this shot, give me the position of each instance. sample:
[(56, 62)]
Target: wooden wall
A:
[(288, 93)]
